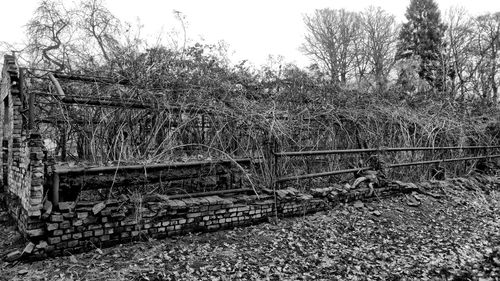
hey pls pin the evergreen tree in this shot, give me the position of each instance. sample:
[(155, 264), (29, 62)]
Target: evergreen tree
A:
[(422, 36)]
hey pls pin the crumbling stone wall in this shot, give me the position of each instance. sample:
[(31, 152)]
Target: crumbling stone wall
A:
[(23, 167)]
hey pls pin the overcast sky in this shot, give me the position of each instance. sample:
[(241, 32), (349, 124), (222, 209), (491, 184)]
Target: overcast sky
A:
[(254, 29)]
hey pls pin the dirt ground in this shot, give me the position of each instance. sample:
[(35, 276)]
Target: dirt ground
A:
[(456, 237)]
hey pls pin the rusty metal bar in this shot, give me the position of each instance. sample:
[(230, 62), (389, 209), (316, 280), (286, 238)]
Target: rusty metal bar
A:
[(324, 174), (112, 169), (91, 79), (441, 161), (317, 175), (60, 92), (55, 190), (371, 150)]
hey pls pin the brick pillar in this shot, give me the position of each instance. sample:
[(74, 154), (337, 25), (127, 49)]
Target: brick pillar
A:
[(25, 155)]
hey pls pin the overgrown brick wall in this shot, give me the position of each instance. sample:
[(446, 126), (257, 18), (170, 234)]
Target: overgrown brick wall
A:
[(23, 167), (86, 225)]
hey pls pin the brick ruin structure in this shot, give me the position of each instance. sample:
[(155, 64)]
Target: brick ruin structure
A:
[(64, 210), (45, 200)]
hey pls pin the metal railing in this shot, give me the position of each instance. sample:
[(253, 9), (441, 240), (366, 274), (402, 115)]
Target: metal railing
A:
[(280, 179)]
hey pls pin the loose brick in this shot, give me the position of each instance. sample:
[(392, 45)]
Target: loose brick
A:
[(72, 243), (52, 226), (109, 224), (69, 215), (53, 240), (221, 211), (65, 225), (82, 215), (94, 226), (193, 215), (56, 218)]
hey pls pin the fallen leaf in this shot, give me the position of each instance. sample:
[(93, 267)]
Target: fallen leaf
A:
[(358, 204)]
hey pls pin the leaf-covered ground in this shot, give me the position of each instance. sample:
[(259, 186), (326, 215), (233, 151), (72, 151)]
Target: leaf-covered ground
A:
[(451, 238)]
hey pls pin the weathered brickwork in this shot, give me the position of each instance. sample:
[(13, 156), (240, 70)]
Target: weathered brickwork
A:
[(22, 155), (86, 225)]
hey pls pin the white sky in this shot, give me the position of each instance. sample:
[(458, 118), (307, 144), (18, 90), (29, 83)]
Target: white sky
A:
[(254, 29)]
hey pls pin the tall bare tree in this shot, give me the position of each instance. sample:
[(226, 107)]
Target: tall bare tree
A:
[(97, 22), (459, 39), (488, 45), (81, 35), (379, 42), (330, 39), (49, 34)]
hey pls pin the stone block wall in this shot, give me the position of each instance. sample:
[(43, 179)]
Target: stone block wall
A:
[(23, 169)]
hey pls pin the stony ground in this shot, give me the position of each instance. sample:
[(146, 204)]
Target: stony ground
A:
[(455, 237)]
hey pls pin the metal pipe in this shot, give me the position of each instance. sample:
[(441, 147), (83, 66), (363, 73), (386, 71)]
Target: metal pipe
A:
[(98, 170), (91, 79), (324, 174), (441, 161), (59, 89), (317, 175), (371, 150), (55, 190)]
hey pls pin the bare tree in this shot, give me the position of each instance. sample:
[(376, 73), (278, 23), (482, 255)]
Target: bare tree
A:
[(49, 34), (379, 42), (97, 22), (488, 45), (85, 32), (459, 39), (330, 39)]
